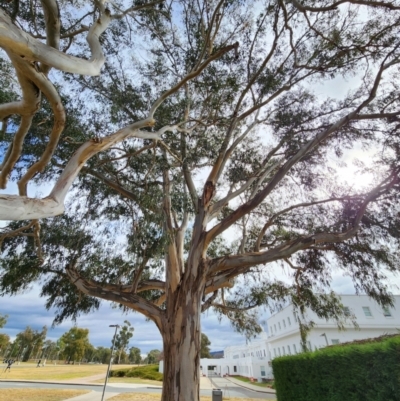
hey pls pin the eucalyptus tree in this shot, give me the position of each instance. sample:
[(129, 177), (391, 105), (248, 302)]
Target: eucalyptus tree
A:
[(122, 338), (200, 156)]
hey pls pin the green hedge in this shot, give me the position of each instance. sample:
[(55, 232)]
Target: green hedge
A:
[(149, 372), (352, 372)]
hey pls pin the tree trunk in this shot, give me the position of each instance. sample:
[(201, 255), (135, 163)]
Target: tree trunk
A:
[(181, 338)]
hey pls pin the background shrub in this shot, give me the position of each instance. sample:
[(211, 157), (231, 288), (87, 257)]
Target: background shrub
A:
[(351, 372), (149, 372)]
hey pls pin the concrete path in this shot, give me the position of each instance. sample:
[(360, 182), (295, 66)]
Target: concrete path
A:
[(251, 386), (93, 396), (87, 379)]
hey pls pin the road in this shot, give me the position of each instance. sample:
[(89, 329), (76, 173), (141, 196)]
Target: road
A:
[(229, 389)]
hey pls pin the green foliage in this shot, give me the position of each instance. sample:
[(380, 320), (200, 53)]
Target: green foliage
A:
[(205, 349), (369, 371), (3, 320), (134, 355), (149, 372), (76, 340), (255, 108), (123, 336), (152, 357), (4, 342), (29, 342)]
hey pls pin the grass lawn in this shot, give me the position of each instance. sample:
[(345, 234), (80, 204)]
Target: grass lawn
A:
[(157, 397), (134, 380), (28, 371), (34, 394), (247, 380)]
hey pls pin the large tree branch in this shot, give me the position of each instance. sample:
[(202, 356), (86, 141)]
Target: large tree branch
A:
[(13, 39), (47, 88), (283, 251), (98, 290), (22, 208), (53, 25), (290, 208)]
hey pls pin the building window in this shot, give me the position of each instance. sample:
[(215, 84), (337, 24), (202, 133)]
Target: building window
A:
[(279, 351), (294, 348), (346, 311), (288, 320), (386, 312), (283, 351), (275, 327), (309, 346), (284, 324), (279, 325), (367, 311), (272, 332), (235, 369), (274, 352), (288, 349), (265, 353), (294, 315), (262, 369), (335, 341)]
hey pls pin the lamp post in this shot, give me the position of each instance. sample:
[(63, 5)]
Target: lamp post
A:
[(326, 339), (109, 363)]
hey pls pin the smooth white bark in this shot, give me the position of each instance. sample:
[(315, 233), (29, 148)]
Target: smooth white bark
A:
[(21, 43), (13, 207)]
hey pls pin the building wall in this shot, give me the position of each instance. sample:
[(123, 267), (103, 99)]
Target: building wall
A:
[(254, 358), (284, 335)]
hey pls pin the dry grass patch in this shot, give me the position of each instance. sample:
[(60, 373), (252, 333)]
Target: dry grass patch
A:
[(52, 372), (157, 397), (34, 394)]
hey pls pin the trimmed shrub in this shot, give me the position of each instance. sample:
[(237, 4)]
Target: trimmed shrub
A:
[(149, 372), (351, 372)]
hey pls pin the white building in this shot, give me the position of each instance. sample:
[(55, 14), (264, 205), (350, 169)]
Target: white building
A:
[(254, 358), (373, 321)]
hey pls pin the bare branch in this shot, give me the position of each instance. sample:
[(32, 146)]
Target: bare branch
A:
[(335, 5)]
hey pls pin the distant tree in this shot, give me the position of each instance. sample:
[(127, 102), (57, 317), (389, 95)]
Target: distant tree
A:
[(4, 342), (76, 341), (90, 353), (205, 350), (103, 355), (4, 338), (3, 320), (153, 356), (28, 342), (134, 355), (122, 339)]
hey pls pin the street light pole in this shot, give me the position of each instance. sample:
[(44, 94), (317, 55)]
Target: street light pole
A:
[(109, 363)]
